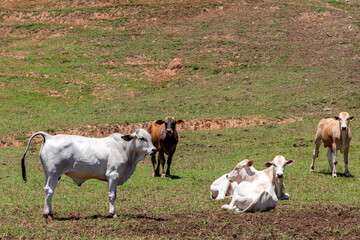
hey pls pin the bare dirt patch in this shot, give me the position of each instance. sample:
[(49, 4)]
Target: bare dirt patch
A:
[(280, 223), (173, 70), (102, 130), (284, 222)]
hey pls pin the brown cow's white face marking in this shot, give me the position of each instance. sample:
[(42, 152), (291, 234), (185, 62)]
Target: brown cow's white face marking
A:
[(235, 173), (344, 120), (279, 164)]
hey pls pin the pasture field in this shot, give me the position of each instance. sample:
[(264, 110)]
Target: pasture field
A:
[(91, 66)]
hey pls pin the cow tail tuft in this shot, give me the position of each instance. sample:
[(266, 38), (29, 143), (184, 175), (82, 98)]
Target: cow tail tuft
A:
[(23, 169)]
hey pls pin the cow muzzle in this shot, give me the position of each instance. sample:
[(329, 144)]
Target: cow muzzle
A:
[(153, 151), (169, 131), (227, 177), (280, 175), (343, 128)]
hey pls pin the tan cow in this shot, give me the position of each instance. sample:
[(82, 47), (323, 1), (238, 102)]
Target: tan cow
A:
[(335, 134), (165, 138)]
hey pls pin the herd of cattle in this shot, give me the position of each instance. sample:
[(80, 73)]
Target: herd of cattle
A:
[(114, 158)]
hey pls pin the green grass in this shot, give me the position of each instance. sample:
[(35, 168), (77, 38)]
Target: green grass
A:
[(86, 66), (66, 65), (201, 157)]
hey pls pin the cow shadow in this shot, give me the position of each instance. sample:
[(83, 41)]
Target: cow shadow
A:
[(77, 218), (143, 216), (100, 216), (337, 174), (174, 177), (171, 177)]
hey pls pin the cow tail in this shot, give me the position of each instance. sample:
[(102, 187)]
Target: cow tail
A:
[(254, 201), (23, 170)]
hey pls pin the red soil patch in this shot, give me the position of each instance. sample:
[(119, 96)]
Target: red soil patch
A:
[(102, 130)]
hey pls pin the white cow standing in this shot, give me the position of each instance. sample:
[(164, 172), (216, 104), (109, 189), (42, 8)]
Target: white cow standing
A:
[(112, 159)]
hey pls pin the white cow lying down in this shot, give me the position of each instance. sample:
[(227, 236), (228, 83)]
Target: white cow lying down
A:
[(112, 159), (258, 190), (244, 171), (222, 187)]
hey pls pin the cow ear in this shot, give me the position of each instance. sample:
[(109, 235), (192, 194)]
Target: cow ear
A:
[(127, 137), (289, 162), (351, 118), (268, 164), (250, 163), (179, 121), (336, 118), (136, 131), (159, 121)]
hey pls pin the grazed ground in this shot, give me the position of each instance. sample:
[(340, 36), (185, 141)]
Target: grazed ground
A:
[(284, 222)]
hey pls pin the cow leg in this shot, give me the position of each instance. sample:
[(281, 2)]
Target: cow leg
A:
[(169, 160), (315, 153), (346, 155), (153, 161), (112, 184), (161, 160), (332, 167), (50, 185), (229, 206), (223, 188)]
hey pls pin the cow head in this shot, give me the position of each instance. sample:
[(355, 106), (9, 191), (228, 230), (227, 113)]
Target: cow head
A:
[(143, 141), (279, 163), (237, 173), (169, 124), (344, 120)]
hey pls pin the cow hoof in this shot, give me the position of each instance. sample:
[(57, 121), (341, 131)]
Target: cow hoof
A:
[(48, 216), (334, 175), (220, 197), (347, 174), (163, 175), (113, 215), (226, 206), (285, 196)]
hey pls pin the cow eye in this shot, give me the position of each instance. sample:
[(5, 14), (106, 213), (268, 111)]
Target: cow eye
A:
[(142, 139)]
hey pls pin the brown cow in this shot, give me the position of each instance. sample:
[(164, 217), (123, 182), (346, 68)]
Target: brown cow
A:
[(335, 134), (165, 139)]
